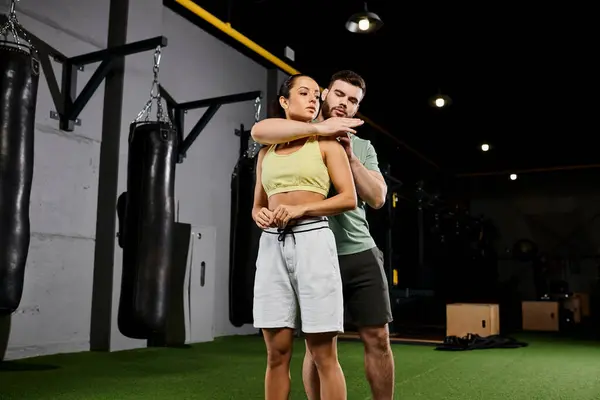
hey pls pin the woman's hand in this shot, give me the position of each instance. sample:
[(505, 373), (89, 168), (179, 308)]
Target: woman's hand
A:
[(284, 214), (264, 218)]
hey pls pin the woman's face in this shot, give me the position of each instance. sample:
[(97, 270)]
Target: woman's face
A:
[(303, 104)]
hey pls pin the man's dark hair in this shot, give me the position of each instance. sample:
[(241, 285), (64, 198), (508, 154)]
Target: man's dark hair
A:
[(350, 77)]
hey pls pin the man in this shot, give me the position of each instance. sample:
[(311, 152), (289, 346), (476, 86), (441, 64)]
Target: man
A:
[(361, 262)]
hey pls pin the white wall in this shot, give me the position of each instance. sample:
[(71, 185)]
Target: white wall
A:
[(54, 315)]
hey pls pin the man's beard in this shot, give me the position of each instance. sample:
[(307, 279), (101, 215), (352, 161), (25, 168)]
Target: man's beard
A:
[(327, 110)]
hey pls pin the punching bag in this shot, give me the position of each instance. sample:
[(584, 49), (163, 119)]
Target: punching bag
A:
[(243, 243), (19, 76), (147, 222)]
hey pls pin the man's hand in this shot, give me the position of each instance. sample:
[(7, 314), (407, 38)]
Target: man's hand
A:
[(347, 145), (264, 218), (284, 214), (337, 126)]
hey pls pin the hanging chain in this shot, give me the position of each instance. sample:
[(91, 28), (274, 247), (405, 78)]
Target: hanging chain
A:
[(257, 106), (253, 147), (14, 26), (154, 94)]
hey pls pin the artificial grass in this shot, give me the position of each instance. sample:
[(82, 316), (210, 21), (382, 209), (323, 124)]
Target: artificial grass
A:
[(233, 368)]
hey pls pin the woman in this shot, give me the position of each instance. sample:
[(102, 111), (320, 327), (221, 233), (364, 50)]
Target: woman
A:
[(297, 266)]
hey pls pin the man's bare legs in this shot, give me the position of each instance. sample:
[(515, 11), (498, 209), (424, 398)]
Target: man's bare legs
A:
[(379, 366), (279, 353), (379, 361), (323, 368)]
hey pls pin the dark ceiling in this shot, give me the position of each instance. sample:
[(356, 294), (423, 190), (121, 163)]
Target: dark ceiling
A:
[(520, 79)]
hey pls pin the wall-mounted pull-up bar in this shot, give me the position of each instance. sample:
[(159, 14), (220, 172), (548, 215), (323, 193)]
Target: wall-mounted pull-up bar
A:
[(282, 65), (177, 112)]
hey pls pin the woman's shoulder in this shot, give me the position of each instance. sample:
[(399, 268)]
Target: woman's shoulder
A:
[(263, 150), (328, 141)]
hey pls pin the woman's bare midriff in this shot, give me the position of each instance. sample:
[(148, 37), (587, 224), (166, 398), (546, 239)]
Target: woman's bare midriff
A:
[(294, 198)]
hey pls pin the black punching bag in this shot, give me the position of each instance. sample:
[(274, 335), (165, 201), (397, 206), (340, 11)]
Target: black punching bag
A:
[(147, 220), (19, 76), (243, 243)]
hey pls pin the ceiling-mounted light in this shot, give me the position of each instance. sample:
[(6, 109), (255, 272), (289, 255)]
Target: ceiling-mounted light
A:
[(440, 101), (364, 22)]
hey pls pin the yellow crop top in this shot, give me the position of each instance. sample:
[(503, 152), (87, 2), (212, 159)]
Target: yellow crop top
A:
[(303, 169)]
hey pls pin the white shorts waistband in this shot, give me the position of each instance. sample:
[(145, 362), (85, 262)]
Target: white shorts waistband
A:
[(304, 225)]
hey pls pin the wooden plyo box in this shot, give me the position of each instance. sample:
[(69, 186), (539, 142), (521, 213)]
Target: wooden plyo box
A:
[(465, 318), (541, 316)]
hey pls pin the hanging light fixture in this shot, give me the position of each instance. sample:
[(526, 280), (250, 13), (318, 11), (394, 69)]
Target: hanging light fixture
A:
[(364, 22), (440, 100)]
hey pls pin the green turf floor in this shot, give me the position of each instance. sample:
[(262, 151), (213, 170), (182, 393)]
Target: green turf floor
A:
[(233, 368)]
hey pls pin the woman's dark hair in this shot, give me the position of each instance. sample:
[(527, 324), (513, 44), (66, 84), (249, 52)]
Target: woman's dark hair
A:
[(275, 110)]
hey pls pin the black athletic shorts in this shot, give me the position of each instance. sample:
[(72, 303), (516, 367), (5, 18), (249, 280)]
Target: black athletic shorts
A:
[(366, 295)]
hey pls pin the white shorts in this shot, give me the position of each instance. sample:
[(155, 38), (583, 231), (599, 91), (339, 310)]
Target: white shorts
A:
[(298, 269)]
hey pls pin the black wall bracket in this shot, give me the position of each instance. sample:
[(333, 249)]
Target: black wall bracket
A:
[(68, 104), (248, 147), (244, 135), (177, 112)]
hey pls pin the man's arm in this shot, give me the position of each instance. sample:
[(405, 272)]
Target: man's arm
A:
[(370, 183)]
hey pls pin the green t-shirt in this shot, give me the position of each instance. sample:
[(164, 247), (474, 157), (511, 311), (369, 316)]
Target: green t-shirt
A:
[(351, 228)]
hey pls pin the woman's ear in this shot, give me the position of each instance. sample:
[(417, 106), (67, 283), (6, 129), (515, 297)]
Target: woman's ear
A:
[(283, 102)]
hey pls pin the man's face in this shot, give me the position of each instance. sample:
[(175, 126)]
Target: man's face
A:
[(341, 100)]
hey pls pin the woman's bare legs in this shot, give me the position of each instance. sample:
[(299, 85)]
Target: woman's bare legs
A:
[(279, 352)]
